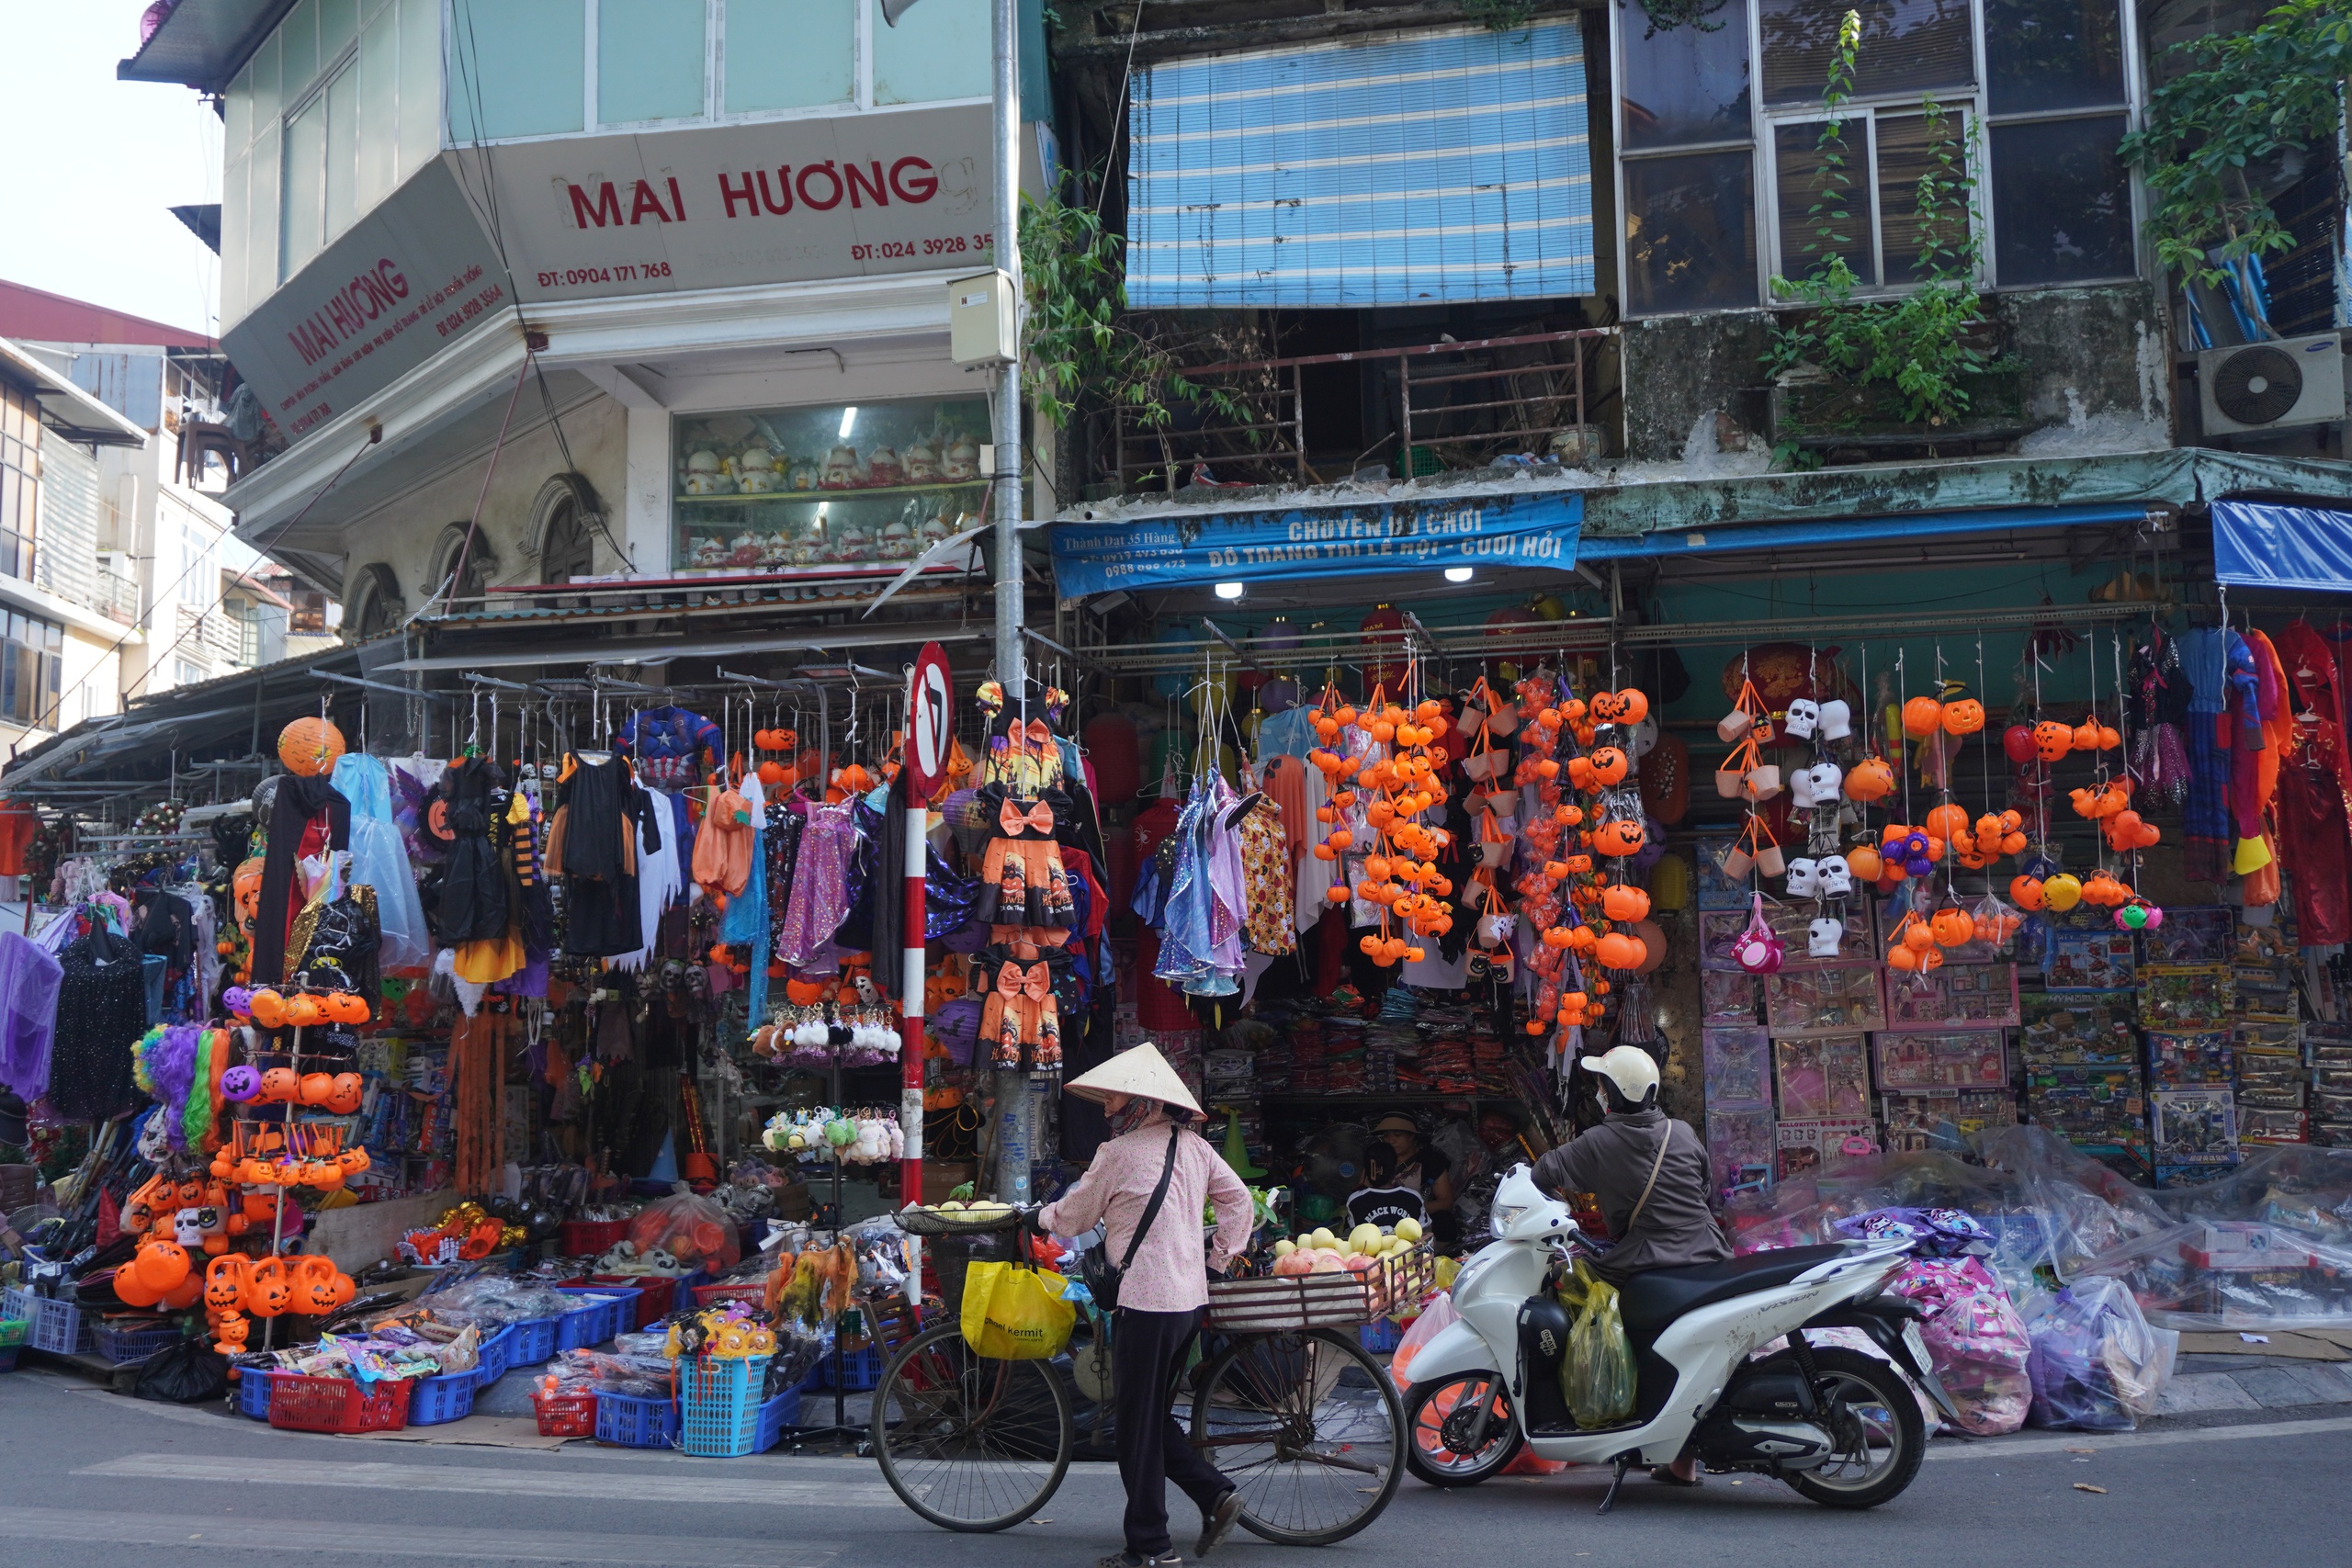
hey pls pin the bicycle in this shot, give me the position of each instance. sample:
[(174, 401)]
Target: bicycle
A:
[(1284, 1400)]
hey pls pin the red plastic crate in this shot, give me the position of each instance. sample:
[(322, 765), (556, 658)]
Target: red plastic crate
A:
[(652, 1295), (565, 1415), (335, 1405), (588, 1238)]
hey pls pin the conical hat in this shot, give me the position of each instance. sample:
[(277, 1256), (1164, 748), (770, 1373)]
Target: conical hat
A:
[(1143, 1071)]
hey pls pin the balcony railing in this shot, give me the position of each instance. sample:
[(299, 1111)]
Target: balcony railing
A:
[(1455, 405), (116, 597)]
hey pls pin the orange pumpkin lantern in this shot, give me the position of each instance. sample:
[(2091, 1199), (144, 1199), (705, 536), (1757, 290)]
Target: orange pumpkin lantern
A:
[(1609, 765), (1964, 716), (1922, 716), (1952, 927), (1625, 903), (2052, 739), (343, 1096), (1623, 837), (303, 1011), (1865, 863), (1870, 779), (269, 1009), (1618, 950), (1947, 821), (310, 746), (281, 1086), (2026, 892)]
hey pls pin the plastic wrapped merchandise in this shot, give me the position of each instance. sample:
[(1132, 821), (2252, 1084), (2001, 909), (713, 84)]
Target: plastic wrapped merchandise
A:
[(2097, 1364), (380, 859), (492, 1301), (694, 1231), (2085, 1208), (1976, 1343)]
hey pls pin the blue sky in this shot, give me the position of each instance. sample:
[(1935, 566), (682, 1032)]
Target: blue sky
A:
[(95, 162)]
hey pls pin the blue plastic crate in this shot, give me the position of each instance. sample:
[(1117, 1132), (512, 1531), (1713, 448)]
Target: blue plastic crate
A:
[(627, 1422), (859, 1370), (777, 1417), (720, 1405), (620, 1307), (448, 1397), (58, 1326), (533, 1342), (494, 1356), (1379, 1336), (579, 1328), (253, 1391), (124, 1346)]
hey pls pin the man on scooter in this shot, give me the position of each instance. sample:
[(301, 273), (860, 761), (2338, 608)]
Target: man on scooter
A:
[(1651, 1178)]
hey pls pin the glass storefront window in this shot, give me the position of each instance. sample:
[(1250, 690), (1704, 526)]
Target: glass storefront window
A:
[(816, 492)]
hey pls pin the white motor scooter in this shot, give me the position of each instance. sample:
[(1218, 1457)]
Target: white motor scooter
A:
[(1840, 1427)]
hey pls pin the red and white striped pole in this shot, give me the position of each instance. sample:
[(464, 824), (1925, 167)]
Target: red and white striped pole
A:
[(922, 765), (911, 987)]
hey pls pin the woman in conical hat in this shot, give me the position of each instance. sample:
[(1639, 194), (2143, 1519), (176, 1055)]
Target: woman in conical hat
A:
[(1147, 1184)]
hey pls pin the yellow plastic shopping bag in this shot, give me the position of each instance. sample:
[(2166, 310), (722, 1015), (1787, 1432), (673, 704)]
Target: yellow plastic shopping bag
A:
[(1014, 1313)]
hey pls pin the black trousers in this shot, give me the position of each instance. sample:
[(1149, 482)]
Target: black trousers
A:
[(1147, 1349)]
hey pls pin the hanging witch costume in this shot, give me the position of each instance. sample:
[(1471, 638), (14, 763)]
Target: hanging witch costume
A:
[(1025, 894)]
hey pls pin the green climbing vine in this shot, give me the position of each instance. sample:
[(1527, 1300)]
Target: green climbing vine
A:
[(1920, 345), (2240, 99), (1080, 340), (1499, 15)]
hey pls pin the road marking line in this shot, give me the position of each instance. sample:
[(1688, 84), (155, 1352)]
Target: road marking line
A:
[(278, 1537), (776, 1492), (2026, 1448)]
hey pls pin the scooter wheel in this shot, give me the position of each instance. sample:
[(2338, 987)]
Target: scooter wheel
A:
[(1874, 1419), (1437, 1414)]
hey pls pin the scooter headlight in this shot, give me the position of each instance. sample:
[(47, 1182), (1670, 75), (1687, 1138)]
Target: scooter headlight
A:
[(1503, 1217)]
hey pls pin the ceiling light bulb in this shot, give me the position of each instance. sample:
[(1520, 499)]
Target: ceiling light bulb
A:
[(849, 420), (1228, 591), (1457, 574)]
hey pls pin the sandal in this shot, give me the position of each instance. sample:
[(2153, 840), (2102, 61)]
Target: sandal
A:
[(1664, 1475)]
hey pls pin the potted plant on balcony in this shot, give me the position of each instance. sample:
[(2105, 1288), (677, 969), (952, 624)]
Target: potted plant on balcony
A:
[(1923, 368)]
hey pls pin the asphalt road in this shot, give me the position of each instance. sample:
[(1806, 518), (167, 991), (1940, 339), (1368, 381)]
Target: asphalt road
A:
[(90, 1479)]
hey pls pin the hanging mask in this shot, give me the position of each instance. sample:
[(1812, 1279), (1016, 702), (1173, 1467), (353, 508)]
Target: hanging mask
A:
[(1836, 720), (1822, 937), (1836, 877), (1804, 878), (1805, 718)]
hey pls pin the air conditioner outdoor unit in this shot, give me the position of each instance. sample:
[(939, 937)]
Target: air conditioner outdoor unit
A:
[(2267, 386)]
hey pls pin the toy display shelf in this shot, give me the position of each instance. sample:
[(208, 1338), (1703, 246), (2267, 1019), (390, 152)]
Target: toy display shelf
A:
[(845, 492)]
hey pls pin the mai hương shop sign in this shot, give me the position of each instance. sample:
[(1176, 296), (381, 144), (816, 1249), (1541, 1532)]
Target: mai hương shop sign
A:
[(1355, 541)]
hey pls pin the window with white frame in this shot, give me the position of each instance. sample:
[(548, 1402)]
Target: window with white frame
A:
[(531, 68), (1720, 128)]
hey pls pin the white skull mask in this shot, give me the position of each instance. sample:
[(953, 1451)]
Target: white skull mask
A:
[(1804, 717), (1804, 878), (1836, 876), (1800, 794), (1837, 720), (1827, 779), (1823, 936)]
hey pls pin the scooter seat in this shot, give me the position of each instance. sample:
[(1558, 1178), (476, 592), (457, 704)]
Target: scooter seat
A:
[(1655, 1297)]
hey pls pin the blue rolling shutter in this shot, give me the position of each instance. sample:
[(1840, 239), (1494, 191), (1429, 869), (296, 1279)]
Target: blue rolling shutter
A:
[(1407, 170)]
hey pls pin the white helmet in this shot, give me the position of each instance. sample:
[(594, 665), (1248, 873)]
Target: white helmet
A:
[(1630, 1068)]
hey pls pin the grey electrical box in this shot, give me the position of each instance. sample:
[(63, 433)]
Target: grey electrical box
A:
[(981, 320)]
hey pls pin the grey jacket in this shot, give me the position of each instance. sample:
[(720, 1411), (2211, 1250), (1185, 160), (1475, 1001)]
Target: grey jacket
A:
[(1611, 1162)]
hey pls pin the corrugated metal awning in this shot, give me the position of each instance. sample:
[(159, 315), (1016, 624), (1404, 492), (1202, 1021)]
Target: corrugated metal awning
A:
[(1433, 166), (203, 44)]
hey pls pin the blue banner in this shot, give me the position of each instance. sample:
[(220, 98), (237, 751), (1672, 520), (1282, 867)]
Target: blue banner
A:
[(1378, 539)]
